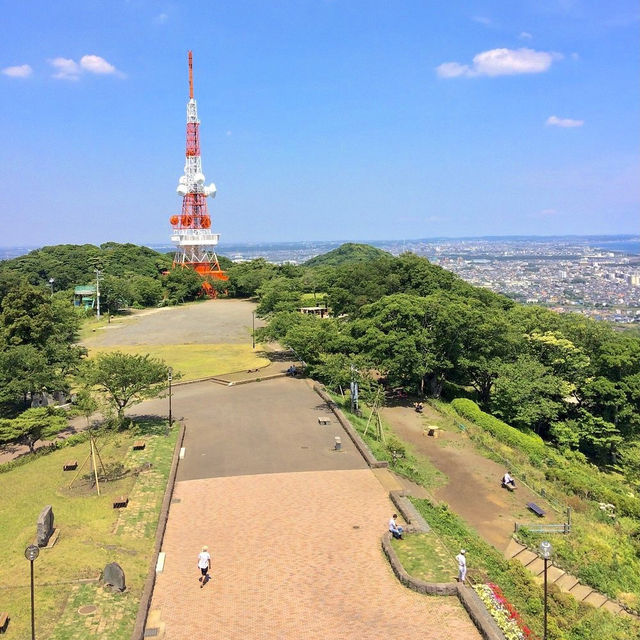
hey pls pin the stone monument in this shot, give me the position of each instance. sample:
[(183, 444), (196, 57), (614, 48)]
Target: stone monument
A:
[(44, 526), (114, 575)]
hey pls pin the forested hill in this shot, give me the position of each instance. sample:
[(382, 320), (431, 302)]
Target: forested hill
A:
[(348, 252), (71, 264)]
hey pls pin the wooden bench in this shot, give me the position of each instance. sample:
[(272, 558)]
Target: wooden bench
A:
[(324, 420), (536, 509), (4, 621), (70, 465), (120, 502), (508, 487), (138, 445)]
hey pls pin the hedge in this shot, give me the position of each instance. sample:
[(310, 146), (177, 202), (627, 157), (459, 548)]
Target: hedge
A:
[(527, 442)]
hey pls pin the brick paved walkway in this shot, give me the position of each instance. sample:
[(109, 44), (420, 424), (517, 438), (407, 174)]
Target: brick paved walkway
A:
[(295, 555)]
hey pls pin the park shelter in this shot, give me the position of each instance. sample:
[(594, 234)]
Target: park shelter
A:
[(85, 296)]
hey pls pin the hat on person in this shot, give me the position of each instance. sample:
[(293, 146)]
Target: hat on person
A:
[(462, 551), (205, 548)]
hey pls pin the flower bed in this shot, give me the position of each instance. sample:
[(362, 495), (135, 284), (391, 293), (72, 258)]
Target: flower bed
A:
[(503, 612)]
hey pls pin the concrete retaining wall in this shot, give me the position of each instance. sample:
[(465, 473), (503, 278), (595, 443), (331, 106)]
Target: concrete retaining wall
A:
[(147, 591)]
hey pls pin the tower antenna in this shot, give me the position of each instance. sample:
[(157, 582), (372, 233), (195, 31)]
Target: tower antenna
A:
[(191, 231)]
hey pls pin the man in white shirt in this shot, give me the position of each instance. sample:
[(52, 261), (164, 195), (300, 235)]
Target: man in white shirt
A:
[(204, 564), (508, 481), (395, 529), (462, 565)]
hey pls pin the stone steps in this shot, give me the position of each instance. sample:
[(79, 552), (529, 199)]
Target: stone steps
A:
[(565, 582)]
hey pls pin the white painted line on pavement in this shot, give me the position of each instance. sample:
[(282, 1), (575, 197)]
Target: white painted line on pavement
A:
[(160, 563)]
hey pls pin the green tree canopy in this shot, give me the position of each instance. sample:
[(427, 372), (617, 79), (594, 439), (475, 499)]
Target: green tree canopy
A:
[(32, 425), (125, 380)]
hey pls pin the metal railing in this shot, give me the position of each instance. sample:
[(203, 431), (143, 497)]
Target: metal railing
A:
[(564, 527)]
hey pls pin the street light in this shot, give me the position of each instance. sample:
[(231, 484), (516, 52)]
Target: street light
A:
[(51, 281), (31, 553), (170, 375), (545, 552), (253, 329)]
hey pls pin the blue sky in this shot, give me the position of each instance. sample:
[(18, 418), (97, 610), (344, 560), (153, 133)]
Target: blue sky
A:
[(321, 120)]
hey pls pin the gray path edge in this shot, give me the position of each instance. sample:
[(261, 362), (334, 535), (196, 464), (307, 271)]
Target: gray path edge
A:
[(147, 591), (475, 608)]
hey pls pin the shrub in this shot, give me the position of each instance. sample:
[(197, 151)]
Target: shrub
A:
[(526, 441)]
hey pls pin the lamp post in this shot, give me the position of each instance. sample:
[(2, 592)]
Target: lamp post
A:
[(51, 281), (170, 376), (545, 552), (98, 274), (253, 329), (31, 553)]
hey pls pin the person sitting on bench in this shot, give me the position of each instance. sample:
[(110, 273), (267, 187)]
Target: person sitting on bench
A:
[(291, 371), (395, 529), (419, 407), (508, 481)]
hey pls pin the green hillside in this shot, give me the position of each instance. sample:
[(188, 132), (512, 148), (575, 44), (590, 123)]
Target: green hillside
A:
[(71, 264), (348, 252)]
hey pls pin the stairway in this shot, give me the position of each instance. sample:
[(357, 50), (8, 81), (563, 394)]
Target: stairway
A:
[(564, 581)]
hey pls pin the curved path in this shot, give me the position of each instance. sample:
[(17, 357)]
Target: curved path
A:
[(293, 527)]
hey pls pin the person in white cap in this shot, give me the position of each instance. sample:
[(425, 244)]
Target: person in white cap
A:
[(462, 565)]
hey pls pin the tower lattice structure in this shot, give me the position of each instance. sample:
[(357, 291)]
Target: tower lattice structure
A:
[(191, 233)]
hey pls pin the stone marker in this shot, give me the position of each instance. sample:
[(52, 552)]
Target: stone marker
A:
[(44, 526), (114, 575)]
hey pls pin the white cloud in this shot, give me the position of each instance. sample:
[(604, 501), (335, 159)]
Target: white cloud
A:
[(554, 121), (500, 62), (161, 18), (482, 20), (453, 70), (228, 133), (525, 35), (19, 71), (96, 64), (66, 69)]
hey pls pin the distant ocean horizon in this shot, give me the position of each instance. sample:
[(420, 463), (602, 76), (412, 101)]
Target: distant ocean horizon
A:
[(619, 243), (631, 247)]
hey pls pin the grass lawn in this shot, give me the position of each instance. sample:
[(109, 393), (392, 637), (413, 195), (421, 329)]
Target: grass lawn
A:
[(92, 534), (195, 361), (424, 557)]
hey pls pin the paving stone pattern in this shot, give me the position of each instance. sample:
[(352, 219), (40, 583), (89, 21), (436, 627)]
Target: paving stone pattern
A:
[(294, 555)]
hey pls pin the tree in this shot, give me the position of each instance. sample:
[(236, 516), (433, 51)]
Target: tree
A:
[(528, 396), (393, 334), (279, 294), (24, 370), (146, 291), (183, 284), (115, 293), (32, 425), (125, 379)]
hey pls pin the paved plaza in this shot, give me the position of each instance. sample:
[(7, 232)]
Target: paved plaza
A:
[(293, 527)]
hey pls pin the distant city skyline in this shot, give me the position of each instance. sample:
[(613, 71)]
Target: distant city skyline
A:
[(321, 119)]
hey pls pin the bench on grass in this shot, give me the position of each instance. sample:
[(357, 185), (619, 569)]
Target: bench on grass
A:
[(536, 509), (120, 502), (4, 621), (70, 465), (138, 445)]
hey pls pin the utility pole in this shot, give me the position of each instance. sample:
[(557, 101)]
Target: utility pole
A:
[(98, 274)]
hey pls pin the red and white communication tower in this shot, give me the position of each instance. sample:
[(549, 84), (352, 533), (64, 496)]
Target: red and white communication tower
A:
[(191, 232)]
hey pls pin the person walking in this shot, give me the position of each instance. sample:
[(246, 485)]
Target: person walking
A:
[(462, 565), (204, 564)]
